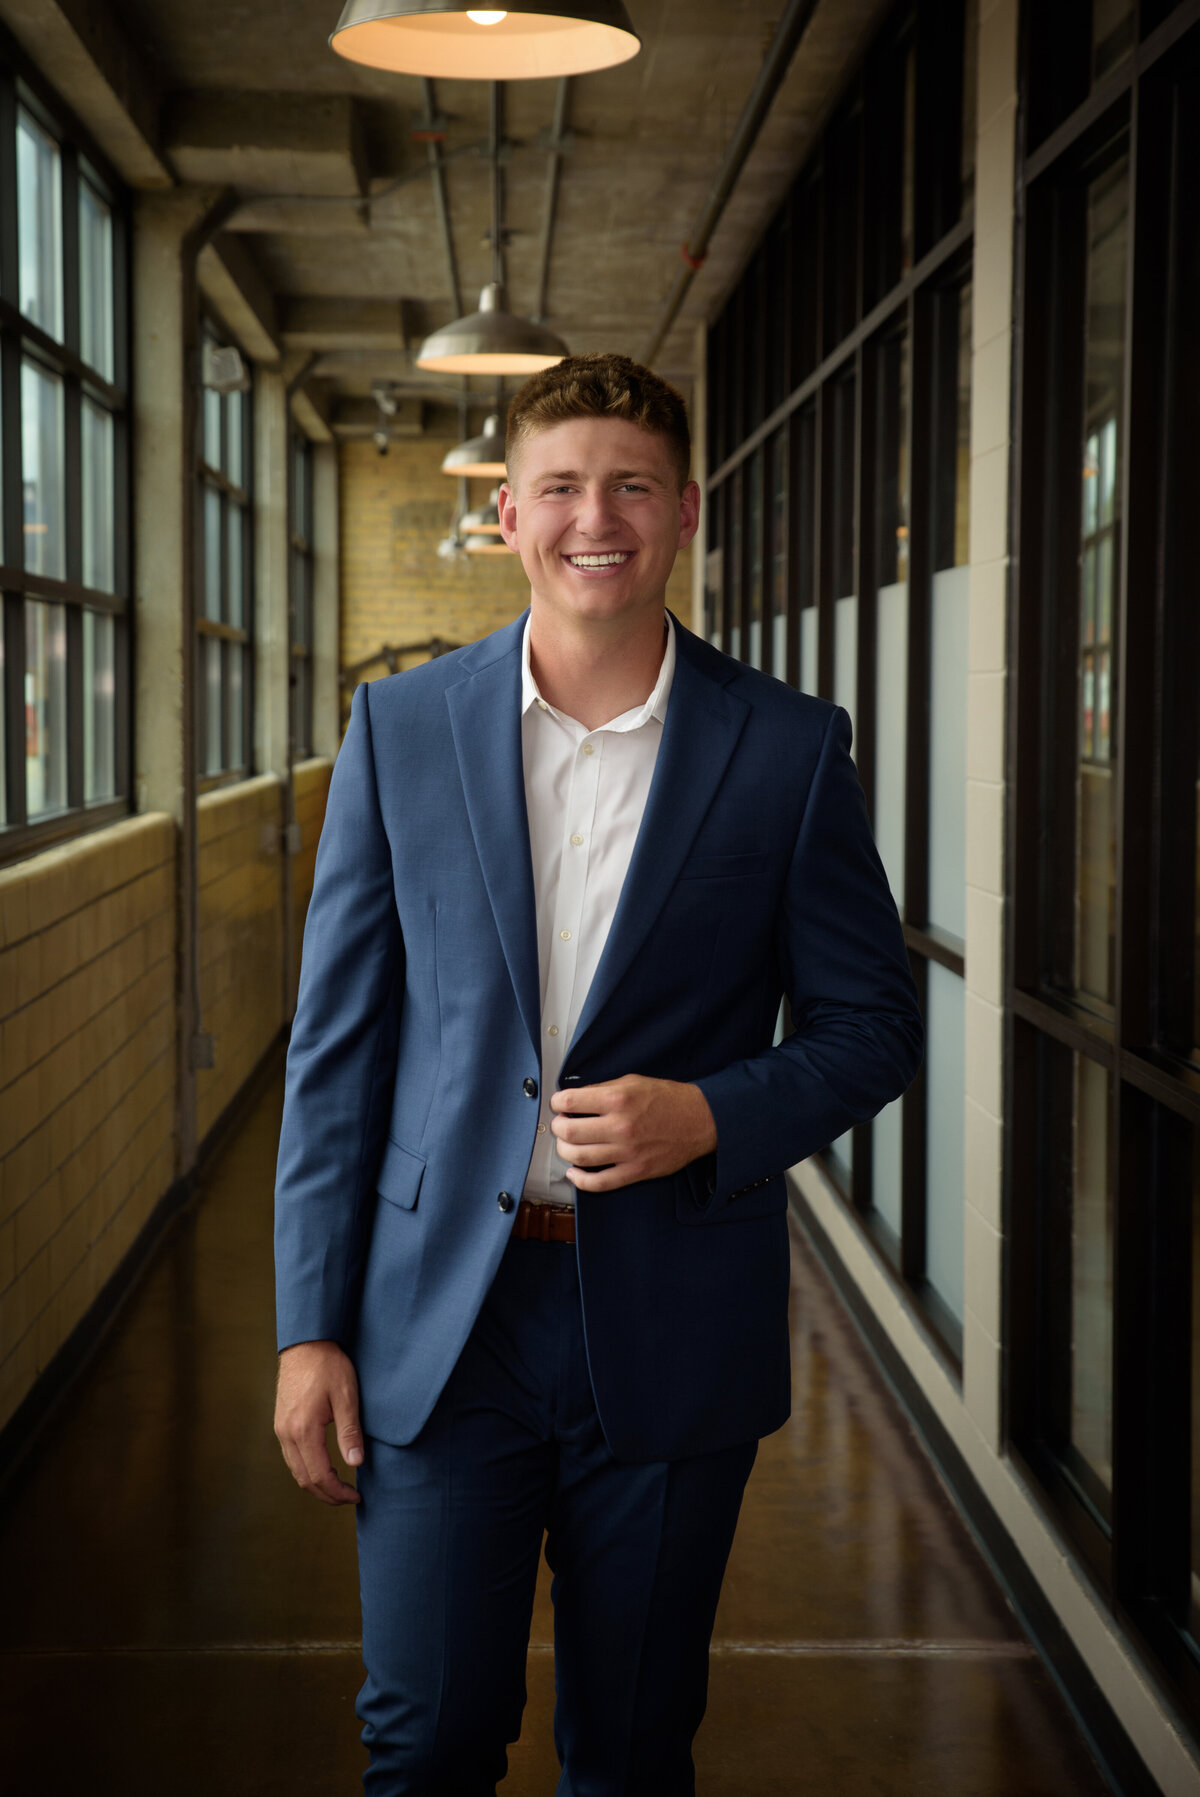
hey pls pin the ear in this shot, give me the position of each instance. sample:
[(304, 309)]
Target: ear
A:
[(689, 513), (506, 504)]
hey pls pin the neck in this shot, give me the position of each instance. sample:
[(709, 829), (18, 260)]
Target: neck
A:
[(593, 675)]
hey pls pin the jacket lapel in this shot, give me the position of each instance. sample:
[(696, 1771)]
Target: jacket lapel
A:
[(485, 717), (702, 727)]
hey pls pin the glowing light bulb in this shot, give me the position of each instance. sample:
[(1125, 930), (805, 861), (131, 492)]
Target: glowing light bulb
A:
[(486, 18)]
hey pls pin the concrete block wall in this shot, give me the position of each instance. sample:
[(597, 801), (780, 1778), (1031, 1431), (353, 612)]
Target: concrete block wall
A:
[(87, 1077), (240, 935), (395, 589)]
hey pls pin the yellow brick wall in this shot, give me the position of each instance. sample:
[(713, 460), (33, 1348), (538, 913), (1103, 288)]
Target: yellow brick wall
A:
[(310, 785), (87, 1077), (240, 935), (394, 511)]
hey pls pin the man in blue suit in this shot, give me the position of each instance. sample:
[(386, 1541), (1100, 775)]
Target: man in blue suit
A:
[(531, 1240)]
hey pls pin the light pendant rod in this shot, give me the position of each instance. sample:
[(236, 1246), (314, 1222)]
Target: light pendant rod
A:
[(558, 132), (441, 199), (497, 185)]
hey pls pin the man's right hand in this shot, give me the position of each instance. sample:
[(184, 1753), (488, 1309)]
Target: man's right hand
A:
[(317, 1386)]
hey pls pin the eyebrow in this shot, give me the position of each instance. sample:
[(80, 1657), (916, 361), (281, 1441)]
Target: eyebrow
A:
[(614, 474)]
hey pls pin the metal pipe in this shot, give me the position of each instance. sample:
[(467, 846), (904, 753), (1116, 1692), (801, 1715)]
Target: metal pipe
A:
[(553, 171), (791, 28), (437, 170)]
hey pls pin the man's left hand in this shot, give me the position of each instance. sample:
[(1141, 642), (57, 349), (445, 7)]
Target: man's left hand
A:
[(633, 1128)]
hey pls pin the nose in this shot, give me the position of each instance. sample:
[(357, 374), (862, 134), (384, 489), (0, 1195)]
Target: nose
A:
[(597, 515)]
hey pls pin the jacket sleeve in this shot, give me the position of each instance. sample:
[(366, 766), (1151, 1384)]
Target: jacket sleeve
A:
[(341, 1057), (858, 1036)]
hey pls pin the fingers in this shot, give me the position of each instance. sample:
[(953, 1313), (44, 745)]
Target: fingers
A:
[(589, 1100), (606, 1179), (317, 1385)]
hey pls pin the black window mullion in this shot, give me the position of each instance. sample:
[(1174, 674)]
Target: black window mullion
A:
[(75, 746), (9, 253)]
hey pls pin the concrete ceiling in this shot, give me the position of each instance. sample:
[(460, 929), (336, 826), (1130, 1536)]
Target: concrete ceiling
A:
[(337, 215)]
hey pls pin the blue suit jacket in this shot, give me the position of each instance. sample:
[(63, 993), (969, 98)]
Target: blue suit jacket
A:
[(754, 874)]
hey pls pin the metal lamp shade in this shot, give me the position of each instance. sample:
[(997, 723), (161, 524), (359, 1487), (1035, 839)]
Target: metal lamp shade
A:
[(431, 37), (482, 456), (485, 522), (491, 341), (486, 546)]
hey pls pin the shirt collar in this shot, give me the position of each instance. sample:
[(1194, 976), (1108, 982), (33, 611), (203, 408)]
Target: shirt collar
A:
[(653, 707)]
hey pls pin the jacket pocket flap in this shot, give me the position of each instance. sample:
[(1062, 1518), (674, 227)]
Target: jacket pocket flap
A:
[(723, 867), (399, 1176)]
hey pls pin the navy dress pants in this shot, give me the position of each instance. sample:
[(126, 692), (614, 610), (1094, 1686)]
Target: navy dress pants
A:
[(449, 1534)]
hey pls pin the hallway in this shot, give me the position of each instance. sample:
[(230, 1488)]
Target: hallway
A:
[(181, 1620)]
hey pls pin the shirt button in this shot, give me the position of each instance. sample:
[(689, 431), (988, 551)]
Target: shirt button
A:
[(577, 840), (541, 1129), (553, 1030), (505, 1202), (530, 1088), (565, 934), (543, 705), (589, 748)]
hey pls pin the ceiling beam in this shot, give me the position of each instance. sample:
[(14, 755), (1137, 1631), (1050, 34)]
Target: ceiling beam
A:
[(289, 143), (344, 324), (102, 75), (234, 287)]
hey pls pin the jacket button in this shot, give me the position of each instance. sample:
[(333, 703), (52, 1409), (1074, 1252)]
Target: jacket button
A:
[(505, 1201), (530, 1088)]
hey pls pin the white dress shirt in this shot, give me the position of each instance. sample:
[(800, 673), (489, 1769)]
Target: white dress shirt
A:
[(585, 792)]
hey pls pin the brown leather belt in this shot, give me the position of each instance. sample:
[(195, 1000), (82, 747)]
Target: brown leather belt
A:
[(543, 1223)]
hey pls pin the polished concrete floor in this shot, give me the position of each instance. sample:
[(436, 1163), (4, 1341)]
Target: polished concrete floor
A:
[(178, 1618)]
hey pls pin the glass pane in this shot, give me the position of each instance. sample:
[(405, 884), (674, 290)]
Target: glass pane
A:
[(970, 106), (1091, 1272), (99, 505), (808, 649), (733, 566), (95, 281), (891, 725), (886, 1167), (945, 1054), (948, 751), (1104, 367), (952, 428), (845, 652), (754, 648), (1114, 33), (908, 176), (212, 554), (233, 438), (210, 759), (45, 707), (212, 428), (42, 471), (236, 664), (39, 226), (99, 706), (779, 555), (841, 1161), (841, 480), (891, 451), (233, 544)]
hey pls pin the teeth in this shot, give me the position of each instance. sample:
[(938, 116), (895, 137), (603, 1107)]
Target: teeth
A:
[(599, 561)]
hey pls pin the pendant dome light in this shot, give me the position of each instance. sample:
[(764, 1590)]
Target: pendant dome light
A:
[(439, 38), (493, 340), (482, 456), (485, 521), (480, 545)]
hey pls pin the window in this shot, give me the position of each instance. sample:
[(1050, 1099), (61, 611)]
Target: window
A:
[(224, 665), (64, 562), (1105, 1062), (301, 597), (838, 543)]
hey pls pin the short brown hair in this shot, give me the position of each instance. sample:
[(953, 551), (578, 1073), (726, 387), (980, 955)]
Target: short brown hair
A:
[(600, 385)]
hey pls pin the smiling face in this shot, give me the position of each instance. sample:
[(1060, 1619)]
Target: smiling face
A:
[(593, 509)]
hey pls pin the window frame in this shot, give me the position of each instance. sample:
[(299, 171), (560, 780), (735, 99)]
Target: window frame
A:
[(22, 88), (233, 638)]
